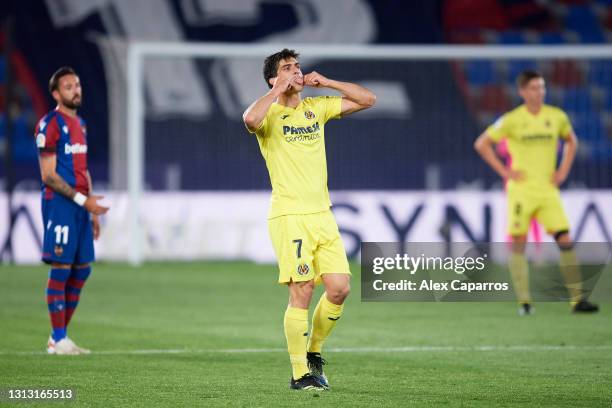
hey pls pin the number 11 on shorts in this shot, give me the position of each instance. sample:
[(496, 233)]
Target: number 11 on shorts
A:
[(61, 234)]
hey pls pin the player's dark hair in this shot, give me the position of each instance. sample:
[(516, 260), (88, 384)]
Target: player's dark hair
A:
[(57, 75), (524, 77), (270, 67)]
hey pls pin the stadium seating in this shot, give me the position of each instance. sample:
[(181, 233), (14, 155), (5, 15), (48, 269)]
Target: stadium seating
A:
[(577, 100), (515, 67), (494, 99), (552, 37), (583, 89), (565, 73), (480, 72), (2, 68), (582, 19), (600, 74), (588, 126), (511, 37)]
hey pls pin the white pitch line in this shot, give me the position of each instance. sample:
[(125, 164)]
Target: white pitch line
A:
[(407, 349)]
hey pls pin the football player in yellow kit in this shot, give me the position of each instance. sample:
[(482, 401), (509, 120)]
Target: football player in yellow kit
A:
[(303, 231), (533, 130)]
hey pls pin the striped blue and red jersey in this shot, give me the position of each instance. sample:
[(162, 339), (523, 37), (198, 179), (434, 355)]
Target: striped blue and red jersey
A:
[(64, 136)]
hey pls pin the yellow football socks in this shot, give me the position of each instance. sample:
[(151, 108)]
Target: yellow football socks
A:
[(519, 270), (325, 316), (296, 331), (568, 263)]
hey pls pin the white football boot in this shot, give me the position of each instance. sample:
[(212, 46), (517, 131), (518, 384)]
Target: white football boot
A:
[(81, 350), (63, 347)]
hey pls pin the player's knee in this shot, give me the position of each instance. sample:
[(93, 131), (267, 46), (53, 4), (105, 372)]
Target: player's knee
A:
[(307, 288), (345, 291), (300, 293), (564, 242), (338, 294)]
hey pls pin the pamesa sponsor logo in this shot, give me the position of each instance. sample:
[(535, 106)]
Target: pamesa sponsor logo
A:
[(302, 133)]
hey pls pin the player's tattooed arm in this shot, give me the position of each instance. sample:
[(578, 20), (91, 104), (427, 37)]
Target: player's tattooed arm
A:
[(60, 186), (54, 180)]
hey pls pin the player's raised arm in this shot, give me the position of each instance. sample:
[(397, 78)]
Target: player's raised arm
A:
[(570, 147), (254, 115), (354, 97), (54, 181), (484, 146)]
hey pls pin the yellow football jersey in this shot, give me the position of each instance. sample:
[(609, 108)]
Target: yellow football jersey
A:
[(292, 142), (533, 142)]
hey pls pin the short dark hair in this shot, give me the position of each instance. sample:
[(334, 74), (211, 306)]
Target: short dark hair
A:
[(270, 67), (524, 77), (57, 75)]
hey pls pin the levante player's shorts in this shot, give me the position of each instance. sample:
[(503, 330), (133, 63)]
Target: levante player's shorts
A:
[(68, 235), (307, 246), (545, 206)]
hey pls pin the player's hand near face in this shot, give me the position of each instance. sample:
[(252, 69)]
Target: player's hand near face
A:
[(255, 114), (92, 206), (282, 85), (316, 80)]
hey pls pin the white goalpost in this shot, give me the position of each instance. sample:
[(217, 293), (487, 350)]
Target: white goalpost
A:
[(139, 52)]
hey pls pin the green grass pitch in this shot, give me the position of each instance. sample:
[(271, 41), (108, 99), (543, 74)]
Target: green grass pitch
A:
[(210, 334)]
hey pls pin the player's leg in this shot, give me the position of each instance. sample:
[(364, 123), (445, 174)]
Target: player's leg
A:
[(74, 286), (568, 265), (296, 325), (294, 250), (552, 216), (333, 268), (520, 210), (84, 256), (329, 309), (78, 276), (59, 247), (296, 333), (519, 271), (56, 303), (570, 269), (535, 231)]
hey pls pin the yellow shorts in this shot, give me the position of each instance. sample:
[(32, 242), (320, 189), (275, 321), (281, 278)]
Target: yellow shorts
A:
[(546, 207), (307, 246)]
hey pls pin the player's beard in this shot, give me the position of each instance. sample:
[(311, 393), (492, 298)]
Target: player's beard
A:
[(73, 103)]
